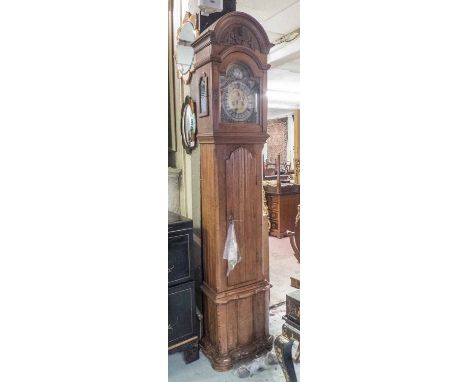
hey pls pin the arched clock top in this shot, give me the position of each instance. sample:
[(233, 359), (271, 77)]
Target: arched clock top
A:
[(238, 29), (238, 34), (238, 104)]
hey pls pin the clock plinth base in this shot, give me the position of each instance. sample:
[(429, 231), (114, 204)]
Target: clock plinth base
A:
[(236, 324), (225, 362)]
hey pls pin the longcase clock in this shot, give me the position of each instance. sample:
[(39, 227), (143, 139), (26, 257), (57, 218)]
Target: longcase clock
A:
[(231, 59)]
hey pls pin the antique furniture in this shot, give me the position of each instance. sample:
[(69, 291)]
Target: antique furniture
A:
[(295, 239), (183, 327), (286, 168), (282, 200), (269, 169), (184, 53), (284, 178), (188, 125), (290, 333), (272, 169), (295, 236), (232, 54)]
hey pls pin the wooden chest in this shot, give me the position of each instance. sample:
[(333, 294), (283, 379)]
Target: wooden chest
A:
[(182, 314), (282, 208), (183, 326), (180, 255)]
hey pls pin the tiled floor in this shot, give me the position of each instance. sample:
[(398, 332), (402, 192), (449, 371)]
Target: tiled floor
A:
[(282, 266)]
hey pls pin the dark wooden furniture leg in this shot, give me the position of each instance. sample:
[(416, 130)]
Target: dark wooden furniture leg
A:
[(192, 352), (283, 346)]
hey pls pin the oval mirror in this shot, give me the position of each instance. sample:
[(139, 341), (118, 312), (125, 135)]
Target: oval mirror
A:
[(188, 125), (184, 53)]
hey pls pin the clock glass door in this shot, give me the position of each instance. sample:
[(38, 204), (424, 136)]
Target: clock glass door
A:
[(239, 95)]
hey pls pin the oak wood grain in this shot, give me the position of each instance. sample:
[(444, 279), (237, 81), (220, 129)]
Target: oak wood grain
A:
[(235, 306)]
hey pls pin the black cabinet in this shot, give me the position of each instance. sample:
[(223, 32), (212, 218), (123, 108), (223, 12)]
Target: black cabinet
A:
[(182, 315), (184, 327), (180, 260)]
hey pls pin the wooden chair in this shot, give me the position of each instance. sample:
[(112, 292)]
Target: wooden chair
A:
[(286, 168), (269, 169), (272, 168)]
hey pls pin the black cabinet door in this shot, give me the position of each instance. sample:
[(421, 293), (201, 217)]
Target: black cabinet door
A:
[(182, 313), (180, 260)]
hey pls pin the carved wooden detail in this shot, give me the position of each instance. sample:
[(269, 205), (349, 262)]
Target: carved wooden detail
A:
[(282, 208), (240, 35)]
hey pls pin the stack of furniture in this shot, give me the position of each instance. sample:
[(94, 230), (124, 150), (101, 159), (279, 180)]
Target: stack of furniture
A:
[(291, 327), (183, 328), (295, 240)]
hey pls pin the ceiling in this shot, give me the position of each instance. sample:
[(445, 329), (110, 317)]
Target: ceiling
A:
[(279, 17)]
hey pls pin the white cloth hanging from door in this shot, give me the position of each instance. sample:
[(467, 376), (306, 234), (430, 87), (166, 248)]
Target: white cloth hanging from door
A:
[(231, 250)]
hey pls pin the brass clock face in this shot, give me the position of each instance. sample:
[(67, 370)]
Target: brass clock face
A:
[(239, 96)]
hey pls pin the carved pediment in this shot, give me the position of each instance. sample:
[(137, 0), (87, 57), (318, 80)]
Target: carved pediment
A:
[(240, 35), (235, 29)]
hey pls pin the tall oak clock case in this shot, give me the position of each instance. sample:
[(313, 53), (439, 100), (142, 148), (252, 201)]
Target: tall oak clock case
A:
[(231, 56)]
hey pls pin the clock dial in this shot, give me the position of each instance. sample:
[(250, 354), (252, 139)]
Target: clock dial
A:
[(239, 96)]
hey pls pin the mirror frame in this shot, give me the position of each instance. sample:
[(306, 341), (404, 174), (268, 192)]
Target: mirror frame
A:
[(192, 19), (189, 135)]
